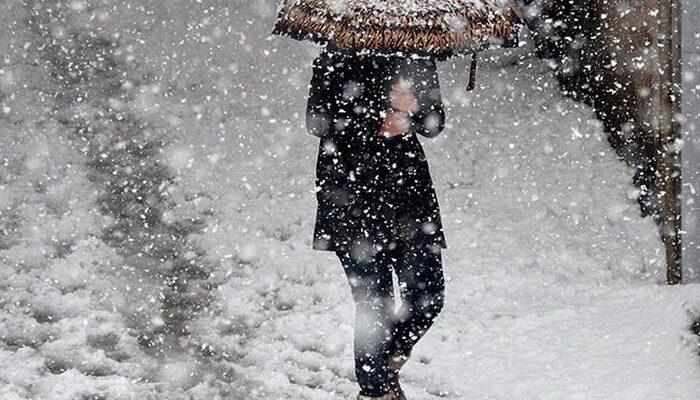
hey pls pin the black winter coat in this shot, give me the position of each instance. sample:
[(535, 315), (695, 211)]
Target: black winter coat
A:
[(372, 190)]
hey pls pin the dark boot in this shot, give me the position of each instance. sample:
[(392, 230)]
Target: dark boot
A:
[(395, 364)]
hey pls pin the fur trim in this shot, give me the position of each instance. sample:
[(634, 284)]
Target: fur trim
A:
[(436, 28)]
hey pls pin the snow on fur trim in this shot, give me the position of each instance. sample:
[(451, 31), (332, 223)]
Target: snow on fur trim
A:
[(437, 28)]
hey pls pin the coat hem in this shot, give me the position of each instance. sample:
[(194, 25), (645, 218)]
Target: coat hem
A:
[(324, 246)]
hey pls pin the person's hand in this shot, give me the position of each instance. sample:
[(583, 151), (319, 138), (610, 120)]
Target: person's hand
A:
[(396, 123), (403, 101), (402, 97)]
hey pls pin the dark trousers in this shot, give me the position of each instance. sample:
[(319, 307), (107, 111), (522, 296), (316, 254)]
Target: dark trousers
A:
[(380, 329)]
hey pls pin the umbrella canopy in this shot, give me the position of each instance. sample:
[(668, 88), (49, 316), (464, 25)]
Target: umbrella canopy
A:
[(434, 28)]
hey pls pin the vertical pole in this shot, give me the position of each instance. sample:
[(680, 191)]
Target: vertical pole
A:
[(669, 162)]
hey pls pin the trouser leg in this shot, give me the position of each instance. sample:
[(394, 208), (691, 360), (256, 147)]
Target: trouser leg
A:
[(372, 289), (422, 286)]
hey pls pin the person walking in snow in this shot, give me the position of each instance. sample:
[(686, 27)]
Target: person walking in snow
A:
[(374, 89), (377, 208)]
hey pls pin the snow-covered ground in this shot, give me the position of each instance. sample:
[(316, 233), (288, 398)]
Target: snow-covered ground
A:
[(554, 282)]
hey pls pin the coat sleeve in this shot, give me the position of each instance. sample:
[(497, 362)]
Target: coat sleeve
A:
[(319, 109), (429, 120)]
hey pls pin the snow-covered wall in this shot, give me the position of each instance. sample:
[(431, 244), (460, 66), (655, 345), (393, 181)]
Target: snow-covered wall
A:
[(606, 53), (691, 155)]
